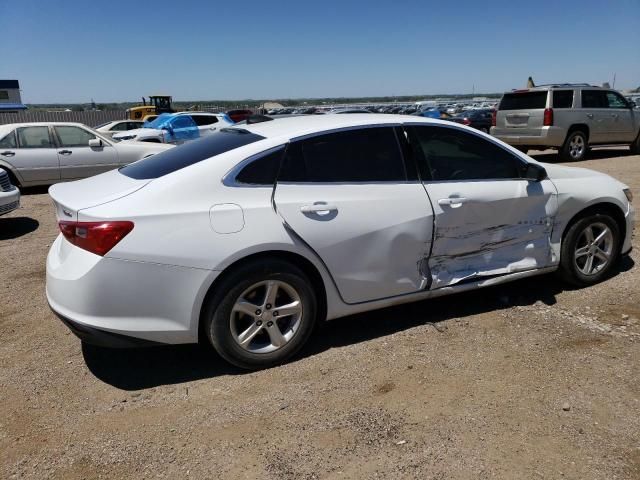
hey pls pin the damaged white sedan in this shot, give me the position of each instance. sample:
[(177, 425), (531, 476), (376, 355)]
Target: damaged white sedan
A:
[(248, 237)]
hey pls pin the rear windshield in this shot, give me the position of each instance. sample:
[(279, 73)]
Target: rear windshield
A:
[(523, 100), (190, 153)]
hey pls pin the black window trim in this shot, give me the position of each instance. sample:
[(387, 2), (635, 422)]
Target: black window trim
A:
[(229, 178), (522, 161), (391, 125)]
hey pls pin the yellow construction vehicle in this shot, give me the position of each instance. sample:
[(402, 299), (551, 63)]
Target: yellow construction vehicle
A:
[(156, 105)]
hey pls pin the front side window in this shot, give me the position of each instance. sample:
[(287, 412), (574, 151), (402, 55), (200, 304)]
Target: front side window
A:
[(73, 136), (9, 141), (34, 137), (449, 154), (615, 100), (562, 98), (594, 99), (362, 155)]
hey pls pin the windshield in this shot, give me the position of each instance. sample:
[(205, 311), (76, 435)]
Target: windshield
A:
[(159, 122)]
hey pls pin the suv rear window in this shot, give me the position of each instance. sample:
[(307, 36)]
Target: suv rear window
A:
[(190, 153), (562, 98), (523, 100)]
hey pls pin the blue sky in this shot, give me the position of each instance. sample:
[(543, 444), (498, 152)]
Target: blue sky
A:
[(72, 51)]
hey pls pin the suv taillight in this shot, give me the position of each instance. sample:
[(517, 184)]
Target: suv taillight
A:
[(493, 118), (548, 117), (95, 237)]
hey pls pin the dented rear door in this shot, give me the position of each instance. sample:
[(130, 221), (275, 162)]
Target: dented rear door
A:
[(487, 221)]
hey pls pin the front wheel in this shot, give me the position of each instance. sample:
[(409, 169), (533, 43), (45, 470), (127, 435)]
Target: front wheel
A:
[(635, 146), (261, 315), (590, 249)]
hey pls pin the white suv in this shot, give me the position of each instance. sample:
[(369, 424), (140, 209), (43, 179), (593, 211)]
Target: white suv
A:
[(177, 127)]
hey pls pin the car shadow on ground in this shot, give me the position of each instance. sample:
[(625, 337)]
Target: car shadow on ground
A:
[(15, 227), (39, 190), (136, 369), (598, 154)]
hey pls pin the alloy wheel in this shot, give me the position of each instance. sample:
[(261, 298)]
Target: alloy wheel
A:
[(594, 249), (576, 147), (266, 316)]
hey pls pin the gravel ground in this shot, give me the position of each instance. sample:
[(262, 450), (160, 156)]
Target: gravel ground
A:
[(528, 380)]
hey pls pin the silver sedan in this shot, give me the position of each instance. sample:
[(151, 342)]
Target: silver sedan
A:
[(46, 153)]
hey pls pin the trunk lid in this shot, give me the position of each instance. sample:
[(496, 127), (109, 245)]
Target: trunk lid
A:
[(71, 197)]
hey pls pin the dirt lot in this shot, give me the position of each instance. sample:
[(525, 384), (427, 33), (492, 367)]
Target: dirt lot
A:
[(529, 380)]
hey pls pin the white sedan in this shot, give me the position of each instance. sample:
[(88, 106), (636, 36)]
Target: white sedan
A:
[(250, 236), (116, 126), (46, 153)]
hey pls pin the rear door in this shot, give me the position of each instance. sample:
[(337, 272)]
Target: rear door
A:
[(207, 124), (488, 220), (596, 115), (522, 113), (350, 196), (36, 158), (79, 160)]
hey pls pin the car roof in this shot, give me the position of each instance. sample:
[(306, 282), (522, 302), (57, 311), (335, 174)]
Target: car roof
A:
[(293, 127), (10, 126)]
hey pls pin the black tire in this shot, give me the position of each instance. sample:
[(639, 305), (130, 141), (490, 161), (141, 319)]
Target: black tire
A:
[(575, 147), (219, 310), (573, 240), (635, 146), (484, 129)]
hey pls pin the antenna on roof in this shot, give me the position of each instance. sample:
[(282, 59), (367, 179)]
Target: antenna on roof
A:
[(530, 83)]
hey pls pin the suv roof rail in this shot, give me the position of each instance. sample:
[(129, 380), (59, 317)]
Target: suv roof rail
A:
[(565, 85)]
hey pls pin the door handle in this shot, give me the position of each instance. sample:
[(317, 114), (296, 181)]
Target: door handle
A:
[(614, 115), (8, 153), (65, 152), (452, 201), (590, 115), (318, 207)]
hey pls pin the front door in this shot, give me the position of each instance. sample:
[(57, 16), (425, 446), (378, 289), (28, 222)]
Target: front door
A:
[(77, 158), (488, 220), (349, 197), (622, 119)]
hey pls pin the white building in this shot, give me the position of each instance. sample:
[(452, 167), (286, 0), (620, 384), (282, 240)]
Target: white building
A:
[(10, 100)]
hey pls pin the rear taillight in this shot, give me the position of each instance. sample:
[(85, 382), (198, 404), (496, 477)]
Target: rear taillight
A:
[(95, 237), (548, 117), (493, 118), (466, 121)]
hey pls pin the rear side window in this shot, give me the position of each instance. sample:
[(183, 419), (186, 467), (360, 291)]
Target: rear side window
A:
[(449, 154), (562, 98), (523, 101), (594, 99), (204, 119), (34, 137), (261, 171), (363, 155), (9, 141), (190, 153)]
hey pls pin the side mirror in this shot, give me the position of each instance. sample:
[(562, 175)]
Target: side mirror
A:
[(534, 172), (95, 143), (633, 105)]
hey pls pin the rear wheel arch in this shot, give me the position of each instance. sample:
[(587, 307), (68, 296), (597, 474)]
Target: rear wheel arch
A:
[(582, 127), (309, 269)]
